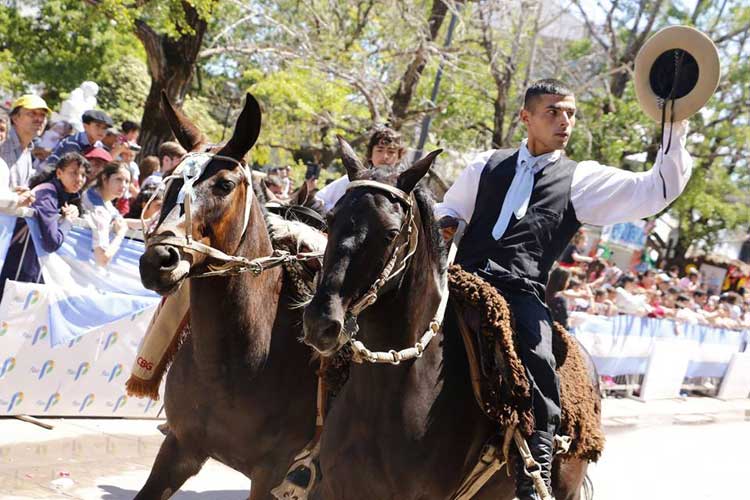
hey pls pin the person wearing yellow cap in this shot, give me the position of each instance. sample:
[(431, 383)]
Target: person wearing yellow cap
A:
[(28, 116)]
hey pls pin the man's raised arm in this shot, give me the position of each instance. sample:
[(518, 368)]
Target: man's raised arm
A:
[(607, 195)]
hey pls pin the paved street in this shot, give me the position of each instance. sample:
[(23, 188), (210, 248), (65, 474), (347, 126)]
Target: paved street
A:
[(679, 449)]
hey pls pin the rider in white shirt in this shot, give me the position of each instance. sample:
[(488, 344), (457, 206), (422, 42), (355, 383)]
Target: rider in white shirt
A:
[(383, 149)]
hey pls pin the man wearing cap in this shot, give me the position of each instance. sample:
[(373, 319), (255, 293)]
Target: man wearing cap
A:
[(95, 125), (28, 116), (522, 206)]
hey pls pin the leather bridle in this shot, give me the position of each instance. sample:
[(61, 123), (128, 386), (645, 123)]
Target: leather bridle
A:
[(190, 169), (407, 232), (409, 236)]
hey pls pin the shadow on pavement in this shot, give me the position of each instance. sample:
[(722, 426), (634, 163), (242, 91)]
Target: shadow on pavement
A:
[(115, 493)]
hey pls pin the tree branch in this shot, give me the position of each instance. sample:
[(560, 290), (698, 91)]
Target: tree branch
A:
[(590, 26), (732, 34), (245, 50)]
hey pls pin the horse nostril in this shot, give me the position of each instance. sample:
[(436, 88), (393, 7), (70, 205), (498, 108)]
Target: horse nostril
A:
[(331, 332), (323, 334), (169, 257)]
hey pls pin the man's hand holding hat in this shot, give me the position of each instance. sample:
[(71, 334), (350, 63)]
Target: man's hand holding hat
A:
[(676, 72)]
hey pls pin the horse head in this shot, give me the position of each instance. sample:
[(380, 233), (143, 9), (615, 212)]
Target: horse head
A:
[(206, 208), (371, 235)]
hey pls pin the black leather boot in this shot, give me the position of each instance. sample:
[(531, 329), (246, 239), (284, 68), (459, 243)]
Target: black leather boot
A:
[(540, 444)]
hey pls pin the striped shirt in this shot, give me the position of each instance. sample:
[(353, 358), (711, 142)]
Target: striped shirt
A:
[(76, 143)]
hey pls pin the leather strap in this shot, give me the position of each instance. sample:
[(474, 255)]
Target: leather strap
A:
[(403, 196)]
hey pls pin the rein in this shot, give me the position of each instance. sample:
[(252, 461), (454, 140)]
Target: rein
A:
[(410, 233), (190, 169)]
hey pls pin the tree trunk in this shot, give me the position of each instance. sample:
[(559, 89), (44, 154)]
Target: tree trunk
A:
[(171, 64), (408, 84), (680, 249), (618, 82), (499, 119)]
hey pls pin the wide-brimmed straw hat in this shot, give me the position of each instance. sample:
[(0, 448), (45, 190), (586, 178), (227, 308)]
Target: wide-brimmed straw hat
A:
[(677, 68)]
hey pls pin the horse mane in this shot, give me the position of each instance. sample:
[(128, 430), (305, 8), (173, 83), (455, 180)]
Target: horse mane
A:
[(425, 204)]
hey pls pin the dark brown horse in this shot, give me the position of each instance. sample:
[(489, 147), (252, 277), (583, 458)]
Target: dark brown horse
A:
[(241, 388), (411, 431)]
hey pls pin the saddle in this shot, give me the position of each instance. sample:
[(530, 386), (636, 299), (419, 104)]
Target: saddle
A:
[(498, 377)]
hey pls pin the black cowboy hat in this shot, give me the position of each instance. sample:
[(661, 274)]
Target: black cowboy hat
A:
[(677, 68)]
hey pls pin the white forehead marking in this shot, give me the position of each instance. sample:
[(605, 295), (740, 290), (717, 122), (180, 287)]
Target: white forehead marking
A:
[(191, 168)]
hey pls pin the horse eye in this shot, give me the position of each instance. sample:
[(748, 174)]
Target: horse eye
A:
[(225, 185), (392, 234)]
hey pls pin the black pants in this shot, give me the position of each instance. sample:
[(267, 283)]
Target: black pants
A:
[(533, 326)]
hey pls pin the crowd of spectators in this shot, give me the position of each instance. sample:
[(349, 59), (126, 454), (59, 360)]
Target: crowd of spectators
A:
[(88, 176), (588, 284), (279, 183), (65, 175)]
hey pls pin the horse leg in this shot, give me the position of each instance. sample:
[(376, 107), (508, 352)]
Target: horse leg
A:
[(174, 464), (267, 476), (568, 478)]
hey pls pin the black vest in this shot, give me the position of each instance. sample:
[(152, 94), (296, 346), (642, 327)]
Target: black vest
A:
[(521, 260)]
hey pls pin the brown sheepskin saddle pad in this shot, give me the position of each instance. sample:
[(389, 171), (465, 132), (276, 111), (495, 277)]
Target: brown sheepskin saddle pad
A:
[(297, 237), (499, 379)]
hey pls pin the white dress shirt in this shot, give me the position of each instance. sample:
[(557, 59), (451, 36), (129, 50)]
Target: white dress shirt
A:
[(332, 193), (600, 194)]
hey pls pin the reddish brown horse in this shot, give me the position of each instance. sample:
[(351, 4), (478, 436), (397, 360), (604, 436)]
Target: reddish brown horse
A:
[(241, 389), (412, 431)]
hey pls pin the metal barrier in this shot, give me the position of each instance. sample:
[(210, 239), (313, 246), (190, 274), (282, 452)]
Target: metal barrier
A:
[(659, 358)]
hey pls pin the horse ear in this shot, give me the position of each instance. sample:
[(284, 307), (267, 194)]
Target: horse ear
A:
[(354, 168), (187, 134), (270, 197), (409, 178), (246, 131)]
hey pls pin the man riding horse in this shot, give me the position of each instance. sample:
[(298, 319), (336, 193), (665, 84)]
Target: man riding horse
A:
[(522, 207)]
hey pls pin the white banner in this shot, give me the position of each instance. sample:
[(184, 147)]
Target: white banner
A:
[(622, 345), (83, 377)]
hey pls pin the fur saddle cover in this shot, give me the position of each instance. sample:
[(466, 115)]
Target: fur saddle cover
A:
[(498, 375), (297, 237)]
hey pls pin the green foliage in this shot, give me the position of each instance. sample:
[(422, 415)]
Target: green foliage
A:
[(123, 88), (63, 44), (300, 106), (163, 16), (326, 67), (609, 137), (10, 79), (201, 111)]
